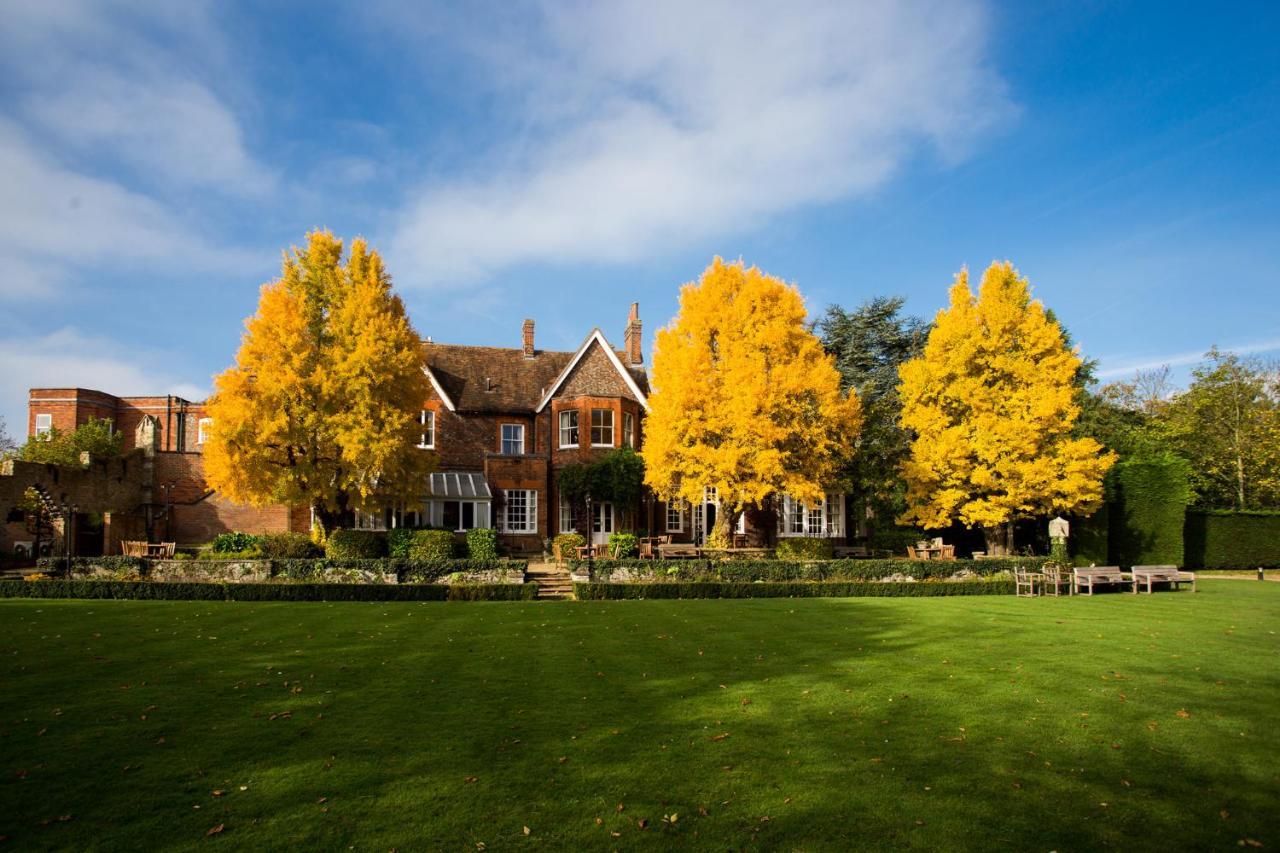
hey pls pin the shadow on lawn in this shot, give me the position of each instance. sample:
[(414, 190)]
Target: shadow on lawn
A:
[(791, 723)]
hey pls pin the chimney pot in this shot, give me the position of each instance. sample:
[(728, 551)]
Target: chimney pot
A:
[(528, 339)]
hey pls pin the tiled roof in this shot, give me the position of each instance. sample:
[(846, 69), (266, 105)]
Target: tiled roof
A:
[(495, 379)]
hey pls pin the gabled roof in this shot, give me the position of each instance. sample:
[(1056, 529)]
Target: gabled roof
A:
[(596, 337), (439, 389)]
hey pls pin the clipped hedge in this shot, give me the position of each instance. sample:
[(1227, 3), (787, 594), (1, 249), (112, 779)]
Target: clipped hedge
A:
[(234, 543), (288, 546), (1148, 503), (620, 591), (431, 545), (143, 590), (80, 565), (775, 571), (1231, 539), (356, 545), (1088, 541), (482, 543), (398, 541), (805, 548)]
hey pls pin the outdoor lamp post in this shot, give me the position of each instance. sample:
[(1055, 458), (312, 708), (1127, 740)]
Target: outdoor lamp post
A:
[(591, 545)]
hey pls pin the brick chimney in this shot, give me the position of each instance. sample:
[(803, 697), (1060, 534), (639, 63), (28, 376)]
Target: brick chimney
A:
[(528, 339), (631, 337)]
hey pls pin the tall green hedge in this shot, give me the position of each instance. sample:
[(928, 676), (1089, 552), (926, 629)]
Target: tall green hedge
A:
[(1148, 502), (1088, 542), (1229, 539)]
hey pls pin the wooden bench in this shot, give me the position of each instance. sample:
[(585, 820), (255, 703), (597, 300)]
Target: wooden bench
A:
[(679, 551), (1171, 575), (1098, 575)]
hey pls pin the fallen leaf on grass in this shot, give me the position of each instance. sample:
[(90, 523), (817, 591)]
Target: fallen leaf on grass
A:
[(620, 807), (670, 818), (1183, 713), (323, 800), (219, 792), (215, 830), (642, 823), (563, 759), (720, 736), (599, 821), (470, 779), (527, 830)]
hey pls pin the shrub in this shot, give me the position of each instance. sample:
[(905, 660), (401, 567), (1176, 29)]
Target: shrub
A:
[(1148, 503), (431, 545), (566, 545), (265, 591), (288, 546), (482, 543), (1230, 539), (616, 591), (233, 542), (250, 554), (355, 545), (398, 541), (116, 564), (775, 571), (805, 548), (623, 545)]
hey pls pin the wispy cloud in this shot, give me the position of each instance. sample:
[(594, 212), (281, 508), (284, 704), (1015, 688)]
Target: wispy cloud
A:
[(1182, 359), (644, 126)]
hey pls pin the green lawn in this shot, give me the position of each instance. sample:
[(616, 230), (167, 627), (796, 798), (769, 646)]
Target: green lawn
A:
[(1049, 724)]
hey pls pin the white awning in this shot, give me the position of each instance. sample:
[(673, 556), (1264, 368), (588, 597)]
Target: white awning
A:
[(464, 485)]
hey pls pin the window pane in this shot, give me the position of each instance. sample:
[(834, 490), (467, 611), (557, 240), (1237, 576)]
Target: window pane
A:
[(629, 429), (451, 515), (602, 427), (427, 435), (675, 517), (468, 515), (568, 429), (513, 439)]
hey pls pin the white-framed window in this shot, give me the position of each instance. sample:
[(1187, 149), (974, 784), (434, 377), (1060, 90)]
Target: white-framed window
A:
[(202, 430), (675, 516), (711, 495), (44, 424), (568, 428), (520, 514), (455, 515), (427, 429), (566, 516), (825, 518), (628, 429), (370, 521), (512, 439), (602, 427)]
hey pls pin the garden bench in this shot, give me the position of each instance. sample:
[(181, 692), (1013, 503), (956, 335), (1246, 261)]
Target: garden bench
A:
[(1171, 575), (679, 551), (1024, 582), (1098, 575), (857, 552)]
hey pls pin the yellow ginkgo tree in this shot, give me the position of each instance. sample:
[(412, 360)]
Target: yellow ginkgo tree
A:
[(321, 406), (991, 403), (745, 400)]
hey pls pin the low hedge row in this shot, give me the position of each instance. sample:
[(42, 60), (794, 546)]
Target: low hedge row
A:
[(794, 570), (304, 569), (621, 591), (143, 590)]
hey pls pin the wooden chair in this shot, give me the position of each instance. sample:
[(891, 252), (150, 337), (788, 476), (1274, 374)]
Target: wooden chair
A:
[(1056, 580), (133, 549), (911, 554), (1024, 582), (948, 552)]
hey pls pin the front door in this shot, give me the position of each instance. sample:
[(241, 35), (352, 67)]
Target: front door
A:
[(601, 522)]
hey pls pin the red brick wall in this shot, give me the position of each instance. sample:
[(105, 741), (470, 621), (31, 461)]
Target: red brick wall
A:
[(197, 523)]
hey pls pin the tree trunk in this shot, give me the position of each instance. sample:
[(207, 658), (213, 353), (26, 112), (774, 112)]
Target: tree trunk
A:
[(999, 539), (727, 523)]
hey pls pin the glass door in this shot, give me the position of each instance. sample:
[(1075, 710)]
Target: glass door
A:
[(601, 522)]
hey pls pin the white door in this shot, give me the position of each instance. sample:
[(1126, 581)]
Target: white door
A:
[(601, 522)]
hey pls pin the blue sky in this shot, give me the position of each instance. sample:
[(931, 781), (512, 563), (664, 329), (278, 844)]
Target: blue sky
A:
[(561, 160)]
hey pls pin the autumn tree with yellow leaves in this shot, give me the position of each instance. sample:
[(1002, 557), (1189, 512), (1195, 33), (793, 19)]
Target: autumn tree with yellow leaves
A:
[(991, 403), (321, 406), (745, 399)]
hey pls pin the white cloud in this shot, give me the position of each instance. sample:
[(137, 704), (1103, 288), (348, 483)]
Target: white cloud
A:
[(53, 218), (643, 126), (1131, 366), (68, 358)]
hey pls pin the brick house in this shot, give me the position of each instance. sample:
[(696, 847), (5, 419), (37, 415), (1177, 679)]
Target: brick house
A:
[(501, 421)]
